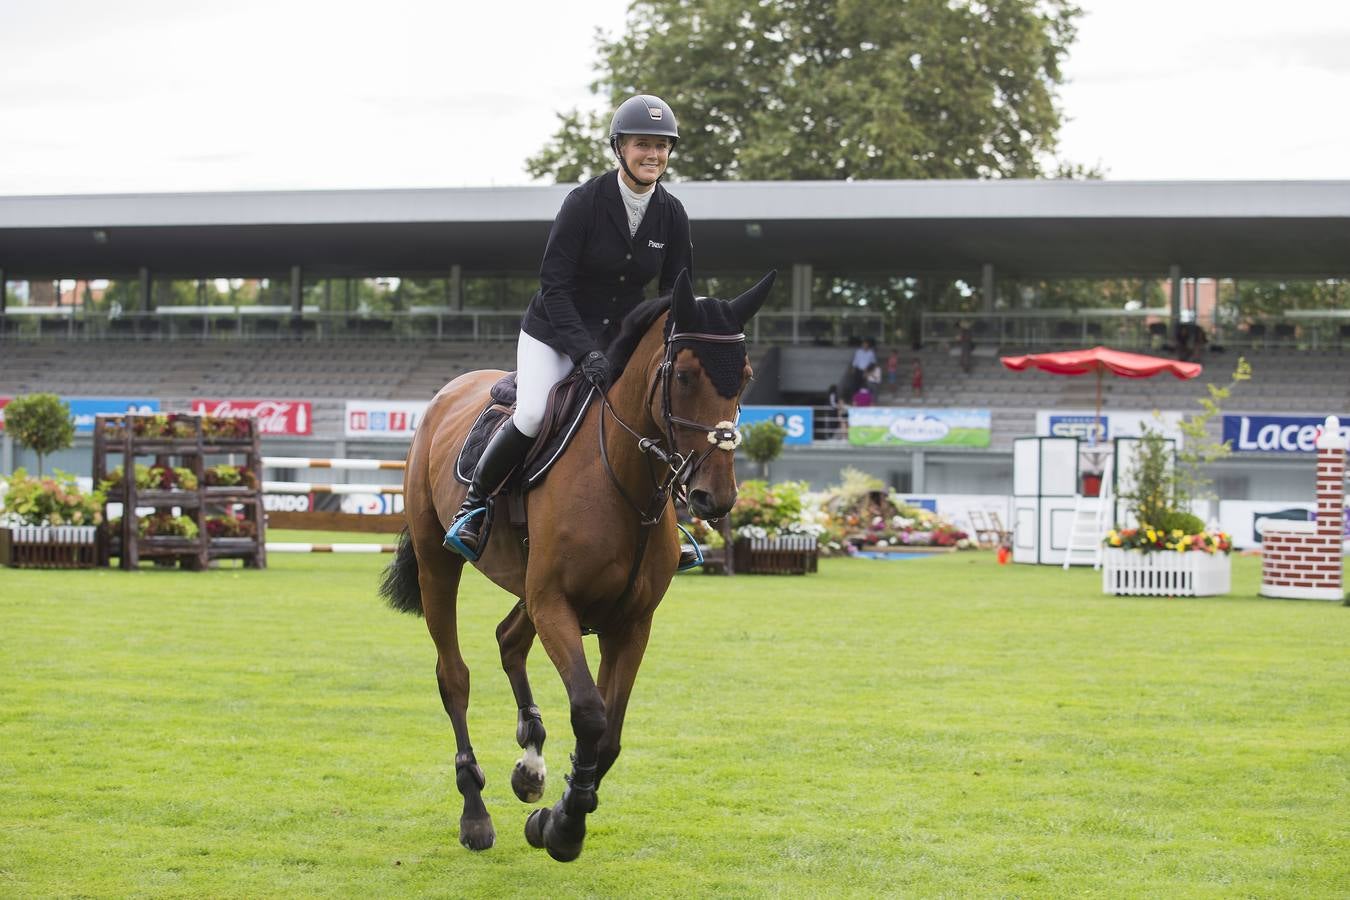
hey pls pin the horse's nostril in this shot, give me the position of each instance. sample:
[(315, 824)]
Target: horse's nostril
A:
[(700, 502)]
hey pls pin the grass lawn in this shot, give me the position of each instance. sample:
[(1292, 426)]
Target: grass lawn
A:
[(927, 727)]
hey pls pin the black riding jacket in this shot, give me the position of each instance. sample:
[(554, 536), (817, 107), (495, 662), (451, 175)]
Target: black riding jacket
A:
[(593, 273)]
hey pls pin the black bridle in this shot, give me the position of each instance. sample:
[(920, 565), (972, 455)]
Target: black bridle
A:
[(680, 468)]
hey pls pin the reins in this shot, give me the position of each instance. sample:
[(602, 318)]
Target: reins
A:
[(680, 467)]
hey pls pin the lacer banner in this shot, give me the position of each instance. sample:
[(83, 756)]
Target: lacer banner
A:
[(274, 417), (382, 418)]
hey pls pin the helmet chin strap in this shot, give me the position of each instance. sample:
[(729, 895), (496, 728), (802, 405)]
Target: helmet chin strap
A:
[(629, 172)]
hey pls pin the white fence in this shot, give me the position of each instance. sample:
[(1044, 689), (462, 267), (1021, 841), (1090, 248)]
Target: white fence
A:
[(1166, 573)]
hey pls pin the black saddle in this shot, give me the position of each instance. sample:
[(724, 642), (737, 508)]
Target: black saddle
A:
[(567, 404)]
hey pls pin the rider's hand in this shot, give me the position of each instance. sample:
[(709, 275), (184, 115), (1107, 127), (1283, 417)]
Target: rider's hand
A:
[(595, 368)]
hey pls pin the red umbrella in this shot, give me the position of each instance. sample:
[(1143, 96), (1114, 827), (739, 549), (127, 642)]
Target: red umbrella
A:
[(1102, 359)]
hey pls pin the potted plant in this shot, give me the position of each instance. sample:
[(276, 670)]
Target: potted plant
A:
[(227, 476), (1171, 552), (768, 534), (49, 522)]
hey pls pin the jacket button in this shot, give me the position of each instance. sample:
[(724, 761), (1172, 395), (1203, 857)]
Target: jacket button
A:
[(621, 278), (604, 321), (628, 256)]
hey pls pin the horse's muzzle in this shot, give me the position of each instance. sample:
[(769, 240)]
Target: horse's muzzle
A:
[(705, 506)]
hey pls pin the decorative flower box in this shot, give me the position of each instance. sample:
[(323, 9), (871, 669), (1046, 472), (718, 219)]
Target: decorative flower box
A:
[(1166, 573), (788, 555), (49, 546)]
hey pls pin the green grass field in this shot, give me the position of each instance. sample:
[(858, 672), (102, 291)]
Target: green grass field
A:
[(927, 727)]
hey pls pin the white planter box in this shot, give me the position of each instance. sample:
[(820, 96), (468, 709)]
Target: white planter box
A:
[(1166, 573)]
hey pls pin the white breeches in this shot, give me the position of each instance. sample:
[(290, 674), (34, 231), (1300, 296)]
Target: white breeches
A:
[(538, 368)]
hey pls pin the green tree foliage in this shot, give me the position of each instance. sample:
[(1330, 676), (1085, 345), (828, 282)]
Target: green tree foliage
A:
[(40, 422), (835, 89), (763, 443)]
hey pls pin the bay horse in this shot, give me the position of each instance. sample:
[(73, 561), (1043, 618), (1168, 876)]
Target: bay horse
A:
[(597, 557)]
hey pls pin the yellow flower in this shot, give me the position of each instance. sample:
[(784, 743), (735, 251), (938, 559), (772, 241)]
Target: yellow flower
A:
[(1152, 535), (1176, 532)]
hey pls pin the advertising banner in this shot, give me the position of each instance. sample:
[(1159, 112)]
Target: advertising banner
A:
[(382, 418), (83, 410), (1080, 423), (1276, 434), (274, 417), (1243, 518), (894, 426), (798, 421), (4, 401)]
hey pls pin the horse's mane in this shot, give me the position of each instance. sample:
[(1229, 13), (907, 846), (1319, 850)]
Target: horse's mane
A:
[(634, 326)]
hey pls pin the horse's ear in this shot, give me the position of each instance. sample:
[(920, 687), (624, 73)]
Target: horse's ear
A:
[(683, 306), (746, 305)]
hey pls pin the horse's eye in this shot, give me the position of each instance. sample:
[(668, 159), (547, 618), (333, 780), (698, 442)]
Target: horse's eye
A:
[(682, 376)]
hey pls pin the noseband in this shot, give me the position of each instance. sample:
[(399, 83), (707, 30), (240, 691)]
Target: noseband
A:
[(680, 467)]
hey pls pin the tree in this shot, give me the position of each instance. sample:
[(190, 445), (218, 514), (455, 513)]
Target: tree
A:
[(835, 89), (763, 443), (40, 422)]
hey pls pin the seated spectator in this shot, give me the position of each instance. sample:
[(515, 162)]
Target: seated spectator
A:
[(862, 397), (893, 368)]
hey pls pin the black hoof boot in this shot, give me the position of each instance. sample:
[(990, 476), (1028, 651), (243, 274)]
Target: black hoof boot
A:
[(527, 783), (564, 835), (534, 827), (477, 834)]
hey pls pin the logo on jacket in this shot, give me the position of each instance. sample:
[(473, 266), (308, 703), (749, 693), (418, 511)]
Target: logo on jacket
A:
[(655, 245)]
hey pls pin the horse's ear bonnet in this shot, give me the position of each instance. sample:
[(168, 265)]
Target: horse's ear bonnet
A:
[(723, 362)]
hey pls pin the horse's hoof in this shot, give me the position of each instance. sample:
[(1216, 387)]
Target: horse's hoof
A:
[(527, 783), (534, 827), (477, 834)]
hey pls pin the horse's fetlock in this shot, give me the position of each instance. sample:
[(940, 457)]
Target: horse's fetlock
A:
[(579, 801)]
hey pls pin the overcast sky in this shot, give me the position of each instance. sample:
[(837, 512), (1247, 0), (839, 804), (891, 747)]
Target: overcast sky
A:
[(167, 95)]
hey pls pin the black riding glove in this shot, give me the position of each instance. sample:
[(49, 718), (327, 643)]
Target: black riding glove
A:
[(595, 368)]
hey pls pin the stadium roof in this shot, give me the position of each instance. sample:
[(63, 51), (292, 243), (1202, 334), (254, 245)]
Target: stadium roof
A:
[(1028, 228)]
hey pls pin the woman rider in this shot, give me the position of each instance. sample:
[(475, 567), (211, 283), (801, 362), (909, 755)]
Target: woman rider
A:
[(613, 235)]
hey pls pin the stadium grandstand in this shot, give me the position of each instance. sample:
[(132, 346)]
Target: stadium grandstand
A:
[(344, 300)]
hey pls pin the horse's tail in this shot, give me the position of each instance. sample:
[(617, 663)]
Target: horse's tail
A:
[(399, 586)]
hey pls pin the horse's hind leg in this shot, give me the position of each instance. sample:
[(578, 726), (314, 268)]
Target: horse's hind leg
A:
[(515, 634), (438, 574)]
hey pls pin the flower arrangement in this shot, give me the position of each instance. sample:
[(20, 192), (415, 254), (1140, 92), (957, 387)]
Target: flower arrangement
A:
[(154, 478), (1148, 539), (223, 428), (55, 500), (765, 510), (163, 425), (165, 524), (230, 526), (229, 476)]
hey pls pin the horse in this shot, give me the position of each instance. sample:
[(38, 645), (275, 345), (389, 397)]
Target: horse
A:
[(596, 559)]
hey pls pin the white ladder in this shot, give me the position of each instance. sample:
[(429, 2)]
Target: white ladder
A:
[(1091, 518)]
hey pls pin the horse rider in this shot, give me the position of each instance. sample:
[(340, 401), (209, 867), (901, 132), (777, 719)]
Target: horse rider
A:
[(613, 235)]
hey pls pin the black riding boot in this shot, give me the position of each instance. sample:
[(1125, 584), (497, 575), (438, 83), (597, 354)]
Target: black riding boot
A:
[(504, 452)]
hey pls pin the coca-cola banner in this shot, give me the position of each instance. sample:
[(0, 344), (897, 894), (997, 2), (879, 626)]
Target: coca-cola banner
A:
[(4, 401), (382, 418), (275, 417)]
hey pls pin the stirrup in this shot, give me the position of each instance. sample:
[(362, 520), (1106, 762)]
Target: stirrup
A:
[(697, 559), (452, 541)]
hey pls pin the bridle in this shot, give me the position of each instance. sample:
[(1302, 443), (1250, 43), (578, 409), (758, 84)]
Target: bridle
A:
[(680, 468)]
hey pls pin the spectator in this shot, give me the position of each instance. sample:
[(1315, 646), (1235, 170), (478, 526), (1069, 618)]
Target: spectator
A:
[(833, 426), (862, 396), (893, 368), (864, 358), (916, 379)]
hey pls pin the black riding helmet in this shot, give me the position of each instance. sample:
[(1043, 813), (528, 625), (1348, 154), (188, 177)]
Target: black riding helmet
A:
[(643, 114)]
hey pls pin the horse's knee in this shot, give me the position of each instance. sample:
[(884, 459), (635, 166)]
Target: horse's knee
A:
[(588, 720)]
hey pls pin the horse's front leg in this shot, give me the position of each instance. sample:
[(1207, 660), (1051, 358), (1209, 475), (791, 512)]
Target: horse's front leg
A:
[(621, 653), (515, 634), (562, 829)]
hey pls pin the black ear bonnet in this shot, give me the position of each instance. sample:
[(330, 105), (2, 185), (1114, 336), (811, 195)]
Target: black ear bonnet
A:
[(723, 362)]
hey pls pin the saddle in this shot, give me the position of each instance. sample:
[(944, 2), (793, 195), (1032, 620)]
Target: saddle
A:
[(567, 405)]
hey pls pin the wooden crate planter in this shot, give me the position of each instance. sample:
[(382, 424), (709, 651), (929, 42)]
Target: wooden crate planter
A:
[(790, 555), (1166, 573), (49, 546)]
